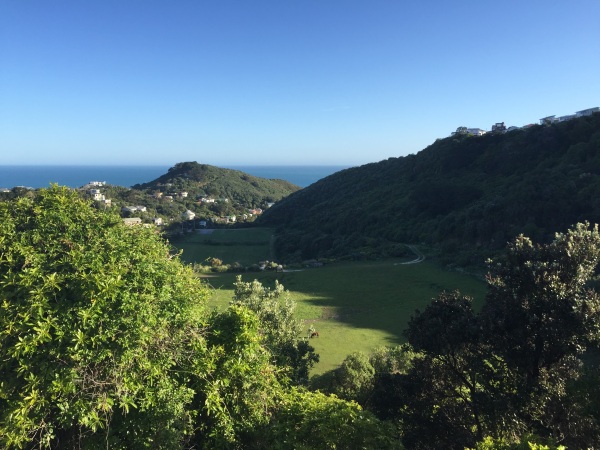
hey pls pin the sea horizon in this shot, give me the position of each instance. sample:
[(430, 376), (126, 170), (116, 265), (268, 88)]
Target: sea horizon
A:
[(78, 175)]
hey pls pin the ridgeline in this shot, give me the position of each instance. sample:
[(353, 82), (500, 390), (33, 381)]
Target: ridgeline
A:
[(203, 179), (465, 195)]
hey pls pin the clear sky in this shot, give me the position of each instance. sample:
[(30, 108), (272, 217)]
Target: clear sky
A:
[(281, 82)]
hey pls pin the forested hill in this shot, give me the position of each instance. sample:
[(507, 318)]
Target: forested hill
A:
[(211, 181), (465, 195)]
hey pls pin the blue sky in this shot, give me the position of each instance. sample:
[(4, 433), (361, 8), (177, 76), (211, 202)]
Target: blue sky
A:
[(281, 82)]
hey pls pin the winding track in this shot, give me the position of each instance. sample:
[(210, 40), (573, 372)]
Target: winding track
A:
[(415, 250)]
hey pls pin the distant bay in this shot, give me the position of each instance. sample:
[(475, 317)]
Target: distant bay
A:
[(77, 176)]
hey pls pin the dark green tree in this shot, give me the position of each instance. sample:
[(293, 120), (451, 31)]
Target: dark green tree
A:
[(443, 391), (540, 316), (539, 311), (513, 369)]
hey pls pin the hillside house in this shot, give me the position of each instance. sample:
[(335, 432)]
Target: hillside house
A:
[(476, 131), (460, 131), (548, 120), (96, 195), (567, 117), (188, 215), (499, 128), (183, 194), (132, 221), (157, 221), (587, 112), (132, 209)]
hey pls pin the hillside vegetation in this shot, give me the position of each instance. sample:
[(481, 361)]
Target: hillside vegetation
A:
[(465, 195), (210, 181)]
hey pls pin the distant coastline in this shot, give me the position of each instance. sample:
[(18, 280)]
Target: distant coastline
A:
[(77, 176)]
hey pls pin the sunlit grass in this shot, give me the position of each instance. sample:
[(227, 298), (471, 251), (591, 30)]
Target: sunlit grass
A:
[(356, 306)]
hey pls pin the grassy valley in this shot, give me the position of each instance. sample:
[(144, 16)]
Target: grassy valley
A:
[(355, 306)]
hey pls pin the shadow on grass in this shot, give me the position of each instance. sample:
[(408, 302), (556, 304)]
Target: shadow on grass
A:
[(359, 306)]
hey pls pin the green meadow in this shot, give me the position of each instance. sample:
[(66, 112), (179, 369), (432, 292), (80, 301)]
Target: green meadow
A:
[(355, 306), (244, 245)]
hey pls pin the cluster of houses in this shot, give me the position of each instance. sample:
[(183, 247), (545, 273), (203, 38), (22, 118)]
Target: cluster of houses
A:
[(169, 197), (553, 119), (188, 216), (97, 195), (501, 128)]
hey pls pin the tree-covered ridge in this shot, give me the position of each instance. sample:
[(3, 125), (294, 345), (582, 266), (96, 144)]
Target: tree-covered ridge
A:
[(210, 181), (462, 193)]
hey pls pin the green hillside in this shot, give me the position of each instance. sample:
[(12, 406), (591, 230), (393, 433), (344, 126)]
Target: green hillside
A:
[(465, 195), (210, 181)]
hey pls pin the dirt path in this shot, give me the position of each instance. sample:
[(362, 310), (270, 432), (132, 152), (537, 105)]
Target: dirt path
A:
[(415, 250)]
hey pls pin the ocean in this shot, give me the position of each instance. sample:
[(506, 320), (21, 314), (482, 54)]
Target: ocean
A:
[(127, 176)]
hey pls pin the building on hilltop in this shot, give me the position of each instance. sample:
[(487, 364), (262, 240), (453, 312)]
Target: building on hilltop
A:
[(476, 131), (464, 131), (499, 128), (96, 195), (548, 120), (587, 112), (567, 117), (460, 131)]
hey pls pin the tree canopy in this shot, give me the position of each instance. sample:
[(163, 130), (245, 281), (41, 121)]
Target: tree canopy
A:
[(517, 367), (281, 330), (94, 317)]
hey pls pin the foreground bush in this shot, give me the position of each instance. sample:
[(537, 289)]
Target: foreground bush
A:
[(105, 343), (94, 316)]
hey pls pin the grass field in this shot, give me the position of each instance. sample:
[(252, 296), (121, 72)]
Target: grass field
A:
[(246, 245), (355, 306)]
